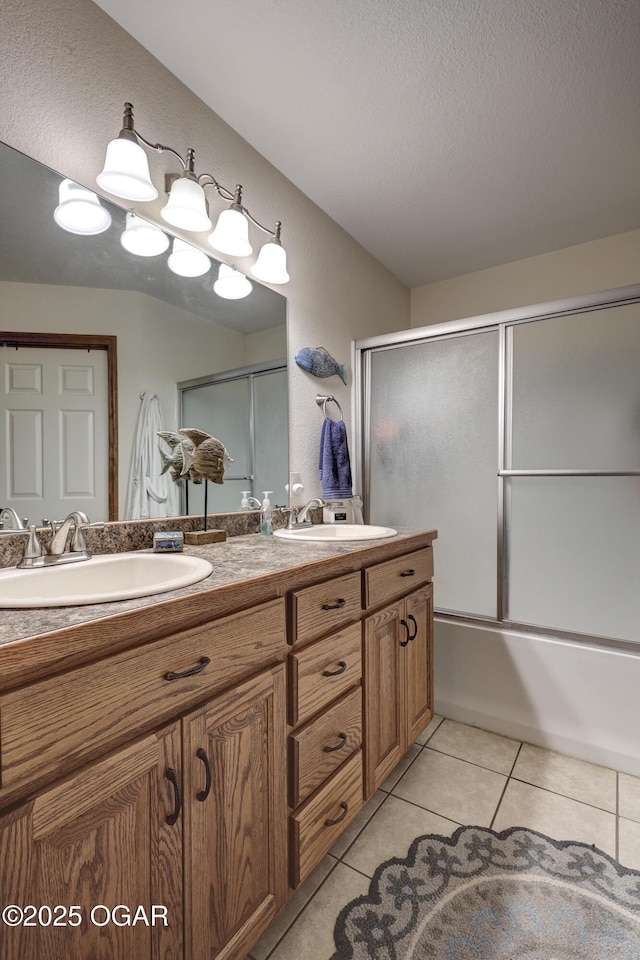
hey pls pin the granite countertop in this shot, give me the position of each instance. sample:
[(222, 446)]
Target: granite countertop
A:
[(240, 558)]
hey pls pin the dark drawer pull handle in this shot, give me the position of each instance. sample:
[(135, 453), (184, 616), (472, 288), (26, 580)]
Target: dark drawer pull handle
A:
[(335, 606), (335, 673), (408, 573), (202, 795), (332, 823), (172, 675), (338, 746), (413, 621), (170, 774), (403, 643)]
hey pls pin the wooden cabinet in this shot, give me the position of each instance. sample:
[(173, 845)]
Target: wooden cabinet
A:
[(235, 818), (191, 780), (398, 681), (101, 839), (207, 791), (49, 727), (325, 711), (204, 794)]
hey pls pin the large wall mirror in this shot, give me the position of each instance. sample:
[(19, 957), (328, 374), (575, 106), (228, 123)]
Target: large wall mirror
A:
[(89, 334)]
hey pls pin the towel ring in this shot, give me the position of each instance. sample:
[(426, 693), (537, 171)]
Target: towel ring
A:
[(322, 401)]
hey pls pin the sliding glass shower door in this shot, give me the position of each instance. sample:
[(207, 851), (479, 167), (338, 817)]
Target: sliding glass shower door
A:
[(518, 439), (433, 430), (572, 497)]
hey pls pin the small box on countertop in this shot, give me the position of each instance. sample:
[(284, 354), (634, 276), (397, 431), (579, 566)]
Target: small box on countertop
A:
[(201, 537), (168, 541)]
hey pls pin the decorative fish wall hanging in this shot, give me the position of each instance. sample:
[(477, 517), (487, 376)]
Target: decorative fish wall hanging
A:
[(320, 363), (209, 458)]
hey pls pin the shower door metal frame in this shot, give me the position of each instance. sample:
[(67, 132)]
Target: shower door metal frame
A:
[(503, 322)]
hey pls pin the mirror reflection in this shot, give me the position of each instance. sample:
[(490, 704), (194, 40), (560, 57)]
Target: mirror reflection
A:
[(63, 444)]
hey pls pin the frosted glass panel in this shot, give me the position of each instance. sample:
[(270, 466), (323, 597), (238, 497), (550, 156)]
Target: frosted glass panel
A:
[(221, 409), (576, 391), (270, 405), (574, 554), (434, 455)]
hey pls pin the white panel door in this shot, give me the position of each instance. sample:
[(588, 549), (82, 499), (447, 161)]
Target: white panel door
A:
[(54, 433)]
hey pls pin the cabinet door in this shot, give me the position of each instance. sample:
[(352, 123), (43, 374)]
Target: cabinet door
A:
[(418, 663), (99, 839), (235, 817), (383, 693)]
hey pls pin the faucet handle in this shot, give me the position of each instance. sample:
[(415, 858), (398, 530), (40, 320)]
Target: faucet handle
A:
[(32, 548), (78, 543)]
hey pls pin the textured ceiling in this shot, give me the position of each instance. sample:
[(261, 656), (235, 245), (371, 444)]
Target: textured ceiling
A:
[(445, 135)]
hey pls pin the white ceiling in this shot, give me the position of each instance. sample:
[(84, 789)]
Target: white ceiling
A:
[(445, 135)]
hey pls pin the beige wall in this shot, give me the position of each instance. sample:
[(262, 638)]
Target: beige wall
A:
[(586, 268), (158, 344), (266, 345), (66, 70)]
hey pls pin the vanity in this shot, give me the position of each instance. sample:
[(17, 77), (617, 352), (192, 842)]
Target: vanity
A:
[(195, 754)]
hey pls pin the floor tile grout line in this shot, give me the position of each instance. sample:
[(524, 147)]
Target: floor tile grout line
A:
[(504, 790), (427, 809), (303, 908), (556, 793), (618, 816), (363, 828), (408, 767), (510, 776), (473, 763)]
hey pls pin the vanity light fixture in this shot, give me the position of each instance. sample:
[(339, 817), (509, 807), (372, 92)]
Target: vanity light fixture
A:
[(142, 238), (271, 264), (231, 234), (126, 174), (231, 284), (80, 211), (186, 260)]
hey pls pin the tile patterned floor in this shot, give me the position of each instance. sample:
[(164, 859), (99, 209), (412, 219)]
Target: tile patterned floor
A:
[(456, 774)]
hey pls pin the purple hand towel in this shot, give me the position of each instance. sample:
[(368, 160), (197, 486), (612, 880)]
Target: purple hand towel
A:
[(335, 466)]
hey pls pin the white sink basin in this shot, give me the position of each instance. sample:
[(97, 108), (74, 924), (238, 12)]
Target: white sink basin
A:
[(119, 576), (337, 532)]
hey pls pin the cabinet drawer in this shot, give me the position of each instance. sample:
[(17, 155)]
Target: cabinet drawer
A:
[(395, 577), (323, 671), (317, 610), (317, 749), (49, 727), (316, 826)]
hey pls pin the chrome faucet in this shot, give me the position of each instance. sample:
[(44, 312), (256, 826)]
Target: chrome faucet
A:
[(298, 515), (8, 513), (68, 537), (67, 542)]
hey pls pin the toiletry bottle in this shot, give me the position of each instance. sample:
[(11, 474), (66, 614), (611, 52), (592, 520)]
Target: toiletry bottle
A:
[(266, 514), (244, 503)]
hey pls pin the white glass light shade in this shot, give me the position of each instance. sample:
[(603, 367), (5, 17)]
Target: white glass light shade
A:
[(231, 284), (80, 211), (186, 207), (231, 235), (143, 238), (271, 265), (126, 171), (187, 261)]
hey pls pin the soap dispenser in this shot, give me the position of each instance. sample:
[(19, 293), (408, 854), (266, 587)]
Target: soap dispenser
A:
[(266, 514), (244, 503)]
